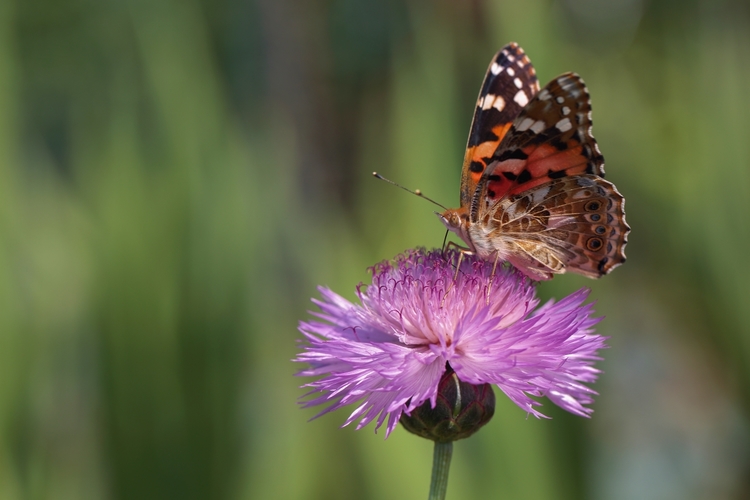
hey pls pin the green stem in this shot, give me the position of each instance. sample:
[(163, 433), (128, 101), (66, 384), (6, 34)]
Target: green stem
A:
[(441, 463)]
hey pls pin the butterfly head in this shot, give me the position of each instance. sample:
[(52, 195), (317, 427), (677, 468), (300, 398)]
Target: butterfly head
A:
[(457, 220)]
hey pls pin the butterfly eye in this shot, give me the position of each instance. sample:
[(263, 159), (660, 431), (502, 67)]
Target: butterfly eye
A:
[(452, 220)]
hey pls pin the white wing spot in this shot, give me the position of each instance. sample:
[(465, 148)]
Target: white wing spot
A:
[(525, 124), (520, 63), (544, 95), (499, 103), (511, 72), (509, 56), (538, 127), (518, 82), (588, 115), (564, 125), (596, 147), (591, 134), (566, 111), (560, 99), (495, 68), (491, 101), (521, 98)]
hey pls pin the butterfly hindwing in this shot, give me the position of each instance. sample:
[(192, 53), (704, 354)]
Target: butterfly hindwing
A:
[(574, 223), (509, 84)]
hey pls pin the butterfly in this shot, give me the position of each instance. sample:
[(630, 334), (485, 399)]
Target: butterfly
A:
[(532, 185)]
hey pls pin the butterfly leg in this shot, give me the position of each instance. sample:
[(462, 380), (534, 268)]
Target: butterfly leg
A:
[(461, 252), (492, 276)]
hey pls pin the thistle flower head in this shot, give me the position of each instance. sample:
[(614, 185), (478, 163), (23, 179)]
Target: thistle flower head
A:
[(388, 353)]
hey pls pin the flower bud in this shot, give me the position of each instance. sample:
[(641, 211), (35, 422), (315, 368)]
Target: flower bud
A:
[(461, 409)]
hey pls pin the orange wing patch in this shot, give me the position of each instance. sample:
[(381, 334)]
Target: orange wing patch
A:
[(546, 163), (475, 161), (543, 164)]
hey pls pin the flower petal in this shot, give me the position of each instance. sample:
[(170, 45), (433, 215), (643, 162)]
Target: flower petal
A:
[(387, 354)]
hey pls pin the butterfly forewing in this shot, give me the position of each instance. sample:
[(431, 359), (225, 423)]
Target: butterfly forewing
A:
[(550, 139), (509, 84)]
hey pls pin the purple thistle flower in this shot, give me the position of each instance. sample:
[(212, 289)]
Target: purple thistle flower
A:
[(388, 354)]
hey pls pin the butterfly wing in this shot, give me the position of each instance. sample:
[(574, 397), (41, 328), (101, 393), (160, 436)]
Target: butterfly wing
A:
[(542, 202), (575, 223), (551, 138), (509, 84)]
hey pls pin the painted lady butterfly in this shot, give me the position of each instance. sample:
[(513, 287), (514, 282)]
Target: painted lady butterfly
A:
[(532, 185)]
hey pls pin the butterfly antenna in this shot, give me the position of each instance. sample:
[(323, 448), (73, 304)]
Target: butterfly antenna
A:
[(416, 191)]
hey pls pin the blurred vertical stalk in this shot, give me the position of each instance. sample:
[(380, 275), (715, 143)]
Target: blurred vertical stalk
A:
[(12, 348), (170, 193)]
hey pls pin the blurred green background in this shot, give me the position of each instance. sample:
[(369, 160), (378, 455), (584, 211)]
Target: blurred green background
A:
[(176, 177)]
